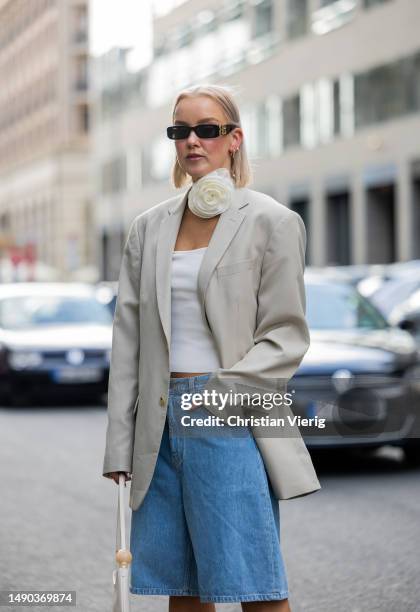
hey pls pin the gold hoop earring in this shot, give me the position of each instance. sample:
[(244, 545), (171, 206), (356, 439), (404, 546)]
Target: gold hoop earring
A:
[(232, 155)]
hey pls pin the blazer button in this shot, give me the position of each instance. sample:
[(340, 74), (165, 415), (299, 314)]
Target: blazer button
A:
[(162, 401)]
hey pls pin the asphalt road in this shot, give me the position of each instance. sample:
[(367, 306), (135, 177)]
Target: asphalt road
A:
[(351, 547)]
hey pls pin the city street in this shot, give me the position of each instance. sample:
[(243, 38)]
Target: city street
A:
[(223, 187), (351, 547)]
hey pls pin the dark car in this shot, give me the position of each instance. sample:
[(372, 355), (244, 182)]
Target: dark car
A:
[(55, 340), (360, 374)]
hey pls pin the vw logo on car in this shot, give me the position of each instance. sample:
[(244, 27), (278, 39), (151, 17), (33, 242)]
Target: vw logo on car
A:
[(75, 356), (342, 380)]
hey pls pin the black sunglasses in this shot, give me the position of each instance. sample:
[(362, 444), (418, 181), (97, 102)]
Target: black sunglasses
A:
[(204, 130)]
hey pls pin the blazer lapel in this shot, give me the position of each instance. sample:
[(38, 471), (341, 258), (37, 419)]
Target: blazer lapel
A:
[(227, 226), (168, 232)]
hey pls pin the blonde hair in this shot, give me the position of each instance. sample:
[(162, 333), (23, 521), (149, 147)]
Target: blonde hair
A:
[(240, 169)]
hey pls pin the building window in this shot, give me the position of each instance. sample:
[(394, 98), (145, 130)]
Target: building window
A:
[(81, 69), (111, 101), (301, 206), (308, 116), (369, 3), (231, 43), (249, 126), (291, 121), (114, 175), (264, 17), (234, 9), (274, 114), (161, 158), (183, 36), (338, 219), (80, 25), (411, 67), (387, 91), (346, 93), (84, 118), (326, 110), (262, 129), (332, 14), (336, 107), (205, 22), (160, 83), (296, 18)]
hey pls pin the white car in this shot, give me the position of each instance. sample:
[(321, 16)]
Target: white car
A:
[(55, 339)]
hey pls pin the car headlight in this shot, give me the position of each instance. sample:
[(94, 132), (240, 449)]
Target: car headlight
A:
[(20, 360)]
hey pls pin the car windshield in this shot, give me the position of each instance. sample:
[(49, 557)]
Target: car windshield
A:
[(340, 306), (24, 312), (394, 292)]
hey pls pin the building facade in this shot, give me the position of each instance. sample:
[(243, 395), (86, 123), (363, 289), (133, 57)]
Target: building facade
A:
[(45, 190), (329, 93)]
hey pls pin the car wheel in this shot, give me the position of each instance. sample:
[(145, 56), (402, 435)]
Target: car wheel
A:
[(412, 453)]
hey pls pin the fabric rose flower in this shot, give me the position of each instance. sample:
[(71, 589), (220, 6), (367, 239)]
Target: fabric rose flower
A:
[(211, 194)]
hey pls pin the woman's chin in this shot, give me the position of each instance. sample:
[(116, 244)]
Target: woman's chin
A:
[(199, 173)]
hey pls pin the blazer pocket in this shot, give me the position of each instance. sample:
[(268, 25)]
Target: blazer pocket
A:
[(239, 266)]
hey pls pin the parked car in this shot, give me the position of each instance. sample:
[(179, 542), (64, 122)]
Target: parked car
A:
[(107, 292), (369, 278), (407, 315), (394, 292), (399, 301), (360, 373), (379, 276), (350, 273), (55, 339)]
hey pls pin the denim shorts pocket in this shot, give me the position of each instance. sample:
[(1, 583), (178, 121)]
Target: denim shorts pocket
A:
[(200, 410)]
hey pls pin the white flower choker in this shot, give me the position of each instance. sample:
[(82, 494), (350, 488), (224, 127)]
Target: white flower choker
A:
[(211, 194)]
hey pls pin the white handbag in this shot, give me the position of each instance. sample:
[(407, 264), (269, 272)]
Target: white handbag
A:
[(123, 557)]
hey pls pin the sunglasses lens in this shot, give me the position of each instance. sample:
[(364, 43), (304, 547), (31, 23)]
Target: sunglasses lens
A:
[(177, 131), (207, 131)]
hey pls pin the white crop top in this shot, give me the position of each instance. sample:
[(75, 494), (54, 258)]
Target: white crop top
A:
[(192, 344)]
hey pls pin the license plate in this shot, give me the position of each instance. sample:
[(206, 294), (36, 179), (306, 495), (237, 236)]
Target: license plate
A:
[(76, 375)]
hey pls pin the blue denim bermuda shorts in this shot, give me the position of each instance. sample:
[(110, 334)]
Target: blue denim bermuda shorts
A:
[(209, 525)]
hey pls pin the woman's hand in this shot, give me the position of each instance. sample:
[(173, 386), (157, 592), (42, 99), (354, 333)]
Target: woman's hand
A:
[(115, 476)]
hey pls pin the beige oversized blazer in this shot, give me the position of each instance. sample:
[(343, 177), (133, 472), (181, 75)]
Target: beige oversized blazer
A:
[(251, 289)]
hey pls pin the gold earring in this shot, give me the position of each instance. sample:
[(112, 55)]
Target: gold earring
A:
[(232, 153)]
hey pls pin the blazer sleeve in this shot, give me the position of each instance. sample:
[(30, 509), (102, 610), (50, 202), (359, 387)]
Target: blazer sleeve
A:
[(281, 337), (123, 373)]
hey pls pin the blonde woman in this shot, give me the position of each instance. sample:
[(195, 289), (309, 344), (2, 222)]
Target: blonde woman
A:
[(211, 296)]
